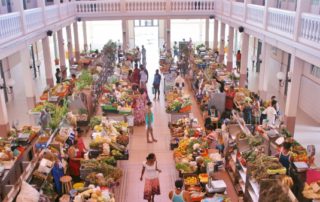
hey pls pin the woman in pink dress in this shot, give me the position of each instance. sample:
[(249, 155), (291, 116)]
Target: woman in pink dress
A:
[(140, 107)]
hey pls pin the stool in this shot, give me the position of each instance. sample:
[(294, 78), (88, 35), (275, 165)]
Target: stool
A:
[(66, 184)]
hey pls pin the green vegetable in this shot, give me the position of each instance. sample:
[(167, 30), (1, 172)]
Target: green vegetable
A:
[(85, 79), (96, 120)]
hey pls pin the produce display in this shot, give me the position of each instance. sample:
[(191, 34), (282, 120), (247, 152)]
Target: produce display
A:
[(84, 80), (95, 195), (191, 181), (273, 190), (176, 103), (263, 166), (60, 90)]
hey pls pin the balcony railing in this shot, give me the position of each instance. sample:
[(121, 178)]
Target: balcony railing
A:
[(226, 8), (10, 26), (310, 28), (281, 21), (237, 10), (98, 7), (52, 14), (255, 15), (34, 19)]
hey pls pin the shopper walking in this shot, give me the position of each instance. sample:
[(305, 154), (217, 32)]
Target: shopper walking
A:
[(45, 119), (143, 78), (179, 82), (58, 76), (136, 75), (150, 172), (138, 56), (149, 123), (175, 49), (238, 60), (179, 195), (144, 54), (156, 84)]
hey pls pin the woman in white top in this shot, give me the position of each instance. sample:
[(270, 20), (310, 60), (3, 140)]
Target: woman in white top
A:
[(179, 82), (143, 78), (271, 114), (151, 172)]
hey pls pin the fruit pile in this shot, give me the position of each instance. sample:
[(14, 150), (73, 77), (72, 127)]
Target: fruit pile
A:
[(191, 181)]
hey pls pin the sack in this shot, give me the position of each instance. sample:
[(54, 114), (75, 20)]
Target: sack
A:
[(28, 193)]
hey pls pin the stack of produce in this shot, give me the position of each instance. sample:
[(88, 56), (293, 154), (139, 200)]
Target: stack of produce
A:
[(261, 166), (95, 195), (99, 172), (84, 80), (113, 133), (60, 90), (299, 153), (178, 104), (44, 105), (190, 152)]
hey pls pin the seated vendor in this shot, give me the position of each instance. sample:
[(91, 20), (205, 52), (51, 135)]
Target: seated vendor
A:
[(285, 157), (214, 114)]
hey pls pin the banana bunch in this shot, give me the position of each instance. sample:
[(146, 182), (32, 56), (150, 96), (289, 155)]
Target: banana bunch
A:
[(287, 181), (183, 144)]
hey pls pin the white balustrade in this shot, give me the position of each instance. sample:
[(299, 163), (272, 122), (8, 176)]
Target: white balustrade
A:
[(145, 6), (255, 14), (310, 28), (10, 26), (237, 10), (52, 14), (226, 7), (218, 6), (183, 6), (34, 19), (64, 10), (281, 21), (98, 7)]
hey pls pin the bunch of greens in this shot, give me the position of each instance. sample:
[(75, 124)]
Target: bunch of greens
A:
[(84, 80), (58, 114)]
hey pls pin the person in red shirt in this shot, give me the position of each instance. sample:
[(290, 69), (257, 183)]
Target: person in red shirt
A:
[(238, 61), (230, 94)]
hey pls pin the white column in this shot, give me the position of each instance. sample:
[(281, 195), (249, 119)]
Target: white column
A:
[(85, 37), (55, 48), (18, 7), (28, 77), (69, 44), (131, 42), (216, 32), (125, 34), (168, 32), (302, 6), (222, 42), (76, 41), (244, 59), (264, 70), (162, 34), (62, 53), (47, 61), (4, 120), (230, 49), (296, 69), (207, 33)]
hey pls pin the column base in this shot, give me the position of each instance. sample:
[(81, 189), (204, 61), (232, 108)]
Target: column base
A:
[(50, 82), (63, 70), (77, 54), (221, 58), (229, 66), (4, 130), (290, 122), (31, 102), (243, 80), (206, 43)]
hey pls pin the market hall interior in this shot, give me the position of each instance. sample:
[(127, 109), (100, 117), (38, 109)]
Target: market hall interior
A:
[(270, 71)]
